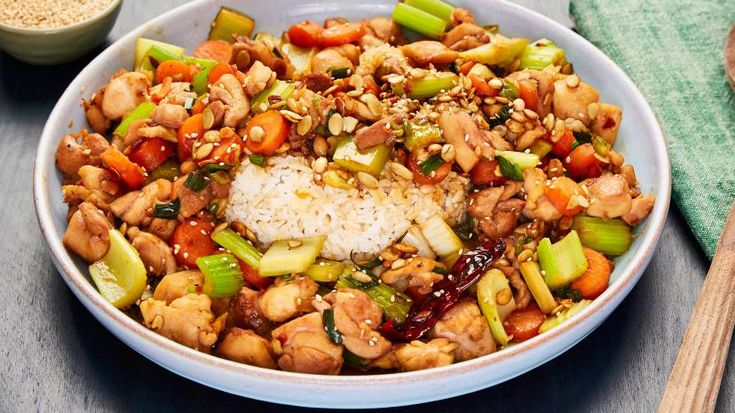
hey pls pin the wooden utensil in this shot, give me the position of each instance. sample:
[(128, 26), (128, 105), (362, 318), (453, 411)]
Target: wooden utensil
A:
[(695, 379)]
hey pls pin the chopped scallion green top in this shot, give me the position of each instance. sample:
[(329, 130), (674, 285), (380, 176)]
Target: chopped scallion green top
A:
[(196, 182), (257, 160), (167, 211), (431, 164), (332, 332), (509, 169)]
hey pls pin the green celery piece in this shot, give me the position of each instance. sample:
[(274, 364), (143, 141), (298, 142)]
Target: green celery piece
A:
[(282, 259), (143, 45), (419, 21), (486, 293), (540, 54), (394, 304), (157, 54), (300, 57), (325, 271), (120, 276), (222, 275), (443, 240), (501, 51), (142, 111), (607, 236), (281, 88), (563, 261), (238, 246), (200, 81), (522, 159), (532, 275), (437, 8), (371, 161), (427, 86), (422, 135), (229, 22), (563, 316), (169, 170)]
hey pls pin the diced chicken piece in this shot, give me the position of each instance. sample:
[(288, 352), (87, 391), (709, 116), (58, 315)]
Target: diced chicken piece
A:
[(609, 196), (330, 58), (527, 138), (495, 211), (244, 346), (460, 15), (543, 82), (572, 102), (169, 115), (154, 252), (465, 36), (98, 179), (76, 194), (497, 141), (188, 320), (381, 61), (147, 131), (136, 207), (419, 271), (263, 51), (284, 300), (607, 122), (418, 355), (384, 29), (465, 325), (88, 233), (357, 317), (229, 91), (303, 346), (75, 151), (123, 94), (176, 285), (245, 312), (538, 205), (93, 111), (259, 77), (378, 133), (162, 228), (177, 94), (639, 209), (191, 202), (426, 52), (462, 132)]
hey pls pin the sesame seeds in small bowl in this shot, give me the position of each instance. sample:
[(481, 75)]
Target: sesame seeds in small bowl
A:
[(46, 32)]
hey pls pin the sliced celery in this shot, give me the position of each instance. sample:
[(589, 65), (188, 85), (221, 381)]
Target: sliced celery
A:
[(372, 160), (142, 111), (437, 8), (280, 88), (300, 57), (608, 236), (143, 45), (427, 86), (325, 271), (416, 239), (200, 80), (222, 275), (441, 237), (229, 22), (290, 256), (541, 147), (522, 159), (487, 289), (120, 276), (238, 246), (501, 51), (563, 261), (532, 275), (540, 54), (422, 135), (419, 20), (394, 304), (563, 316)]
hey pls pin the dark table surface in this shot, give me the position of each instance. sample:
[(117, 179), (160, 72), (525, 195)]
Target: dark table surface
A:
[(54, 356)]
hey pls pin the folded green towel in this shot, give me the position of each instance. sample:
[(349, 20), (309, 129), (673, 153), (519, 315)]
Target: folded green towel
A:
[(672, 50)]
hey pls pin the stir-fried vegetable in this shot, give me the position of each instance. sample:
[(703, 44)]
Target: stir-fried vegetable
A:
[(421, 135), (500, 51), (238, 246), (532, 275), (563, 261), (564, 315), (144, 52), (266, 132), (130, 172), (120, 275), (290, 256), (595, 279), (540, 54), (496, 302), (437, 8), (371, 160), (508, 168), (427, 86), (394, 304), (419, 21), (229, 22), (222, 275), (325, 271), (280, 88), (332, 332), (445, 243), (142, 111), (608, 236)]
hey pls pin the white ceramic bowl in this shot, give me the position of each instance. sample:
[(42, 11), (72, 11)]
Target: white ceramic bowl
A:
[(640, 141)]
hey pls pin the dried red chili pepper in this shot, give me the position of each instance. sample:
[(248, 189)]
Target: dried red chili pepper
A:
[(465, 272)]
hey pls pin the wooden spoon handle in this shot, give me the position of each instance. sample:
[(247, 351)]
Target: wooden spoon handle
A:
[(697, 373)]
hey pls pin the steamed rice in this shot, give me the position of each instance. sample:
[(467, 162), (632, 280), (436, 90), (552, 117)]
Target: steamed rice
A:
[(281, 201)]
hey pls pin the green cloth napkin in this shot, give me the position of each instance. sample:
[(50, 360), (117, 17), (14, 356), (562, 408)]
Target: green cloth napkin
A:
[(672, 50)]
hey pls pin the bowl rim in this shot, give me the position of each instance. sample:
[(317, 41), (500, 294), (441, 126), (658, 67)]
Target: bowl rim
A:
[(102, 309), (114, 4)]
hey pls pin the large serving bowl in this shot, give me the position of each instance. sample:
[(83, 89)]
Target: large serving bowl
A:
[(640, 140)]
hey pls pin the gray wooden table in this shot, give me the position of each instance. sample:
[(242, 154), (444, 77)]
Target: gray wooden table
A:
[(55, 357)]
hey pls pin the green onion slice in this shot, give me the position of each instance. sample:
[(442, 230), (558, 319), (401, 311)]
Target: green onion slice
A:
[(332, 332), (238, 246), (339, 72), (195, 181), (214, 167), (431, 164), (167, 211), (509, 169), (510, 91), (257, 160), (582, 137), (500, 117), (189, 103)]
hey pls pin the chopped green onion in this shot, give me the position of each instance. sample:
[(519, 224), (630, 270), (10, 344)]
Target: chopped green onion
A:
[(522, 159), (436, 8), (500, 117), (582, 137), (142, 111), (509, 169), (332, 332), (602, 147), (229, 22), (257, 159), (238, 246), (168, 170), (189, 102), (431, 164), (540, 54), (353, 360), (440, 270), (222, 275), (419, 21), (339, 72), (510, 90), (167, 211), (608, 236), (394, 304), (214, 167), (195, 181)]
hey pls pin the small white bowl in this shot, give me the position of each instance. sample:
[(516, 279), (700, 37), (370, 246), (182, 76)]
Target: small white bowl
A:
[(58, 45), (640, 140)]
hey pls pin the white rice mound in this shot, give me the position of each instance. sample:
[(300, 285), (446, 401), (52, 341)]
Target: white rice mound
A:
[(365, 221)]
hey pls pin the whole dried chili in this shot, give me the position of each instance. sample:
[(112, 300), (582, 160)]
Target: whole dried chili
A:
[(466, 271)]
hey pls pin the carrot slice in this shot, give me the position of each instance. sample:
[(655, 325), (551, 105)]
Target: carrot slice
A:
[(594, 281), (271, 131), (130, 172), (151, 153), (482, 88), (524, 324), (439, 173), (484, 173), (176, 70), (251, 276), (341, 34), (466, 67), (529, 93), (305, 34), (187, 134), (192, 239), (582, 162), (560, 191), (218, 71), (218, 50)]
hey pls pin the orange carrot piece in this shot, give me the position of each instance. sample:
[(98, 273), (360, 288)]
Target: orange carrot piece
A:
[(218, 50), (218, 71), (176, 70), (191, 130), (272, 134), (594, 281), (130, 172)]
